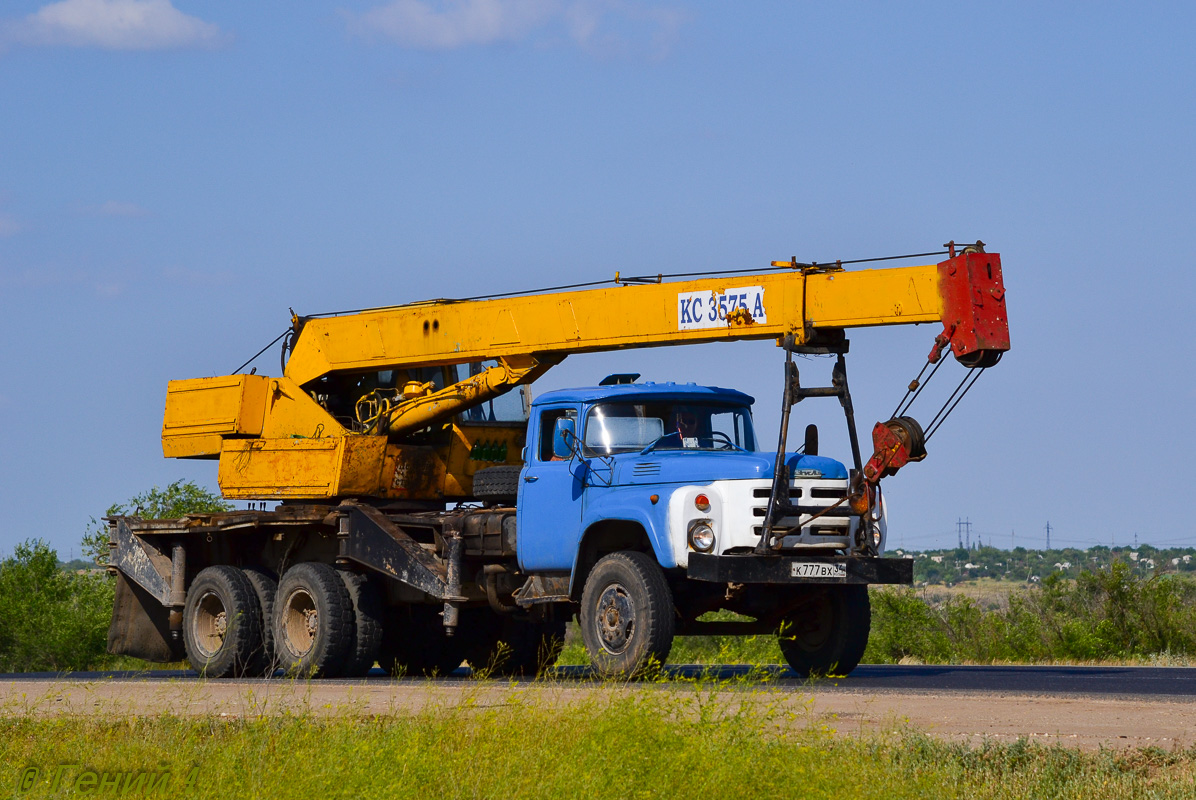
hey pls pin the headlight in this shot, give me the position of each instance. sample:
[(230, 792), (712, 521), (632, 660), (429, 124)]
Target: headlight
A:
[(701, 535)]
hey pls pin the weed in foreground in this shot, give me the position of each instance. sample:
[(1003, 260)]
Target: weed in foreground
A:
[(695, 740)]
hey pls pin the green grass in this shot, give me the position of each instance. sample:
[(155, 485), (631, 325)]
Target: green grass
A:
[(624, 742)]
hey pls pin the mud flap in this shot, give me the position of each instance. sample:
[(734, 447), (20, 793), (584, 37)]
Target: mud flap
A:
[(141, 625)]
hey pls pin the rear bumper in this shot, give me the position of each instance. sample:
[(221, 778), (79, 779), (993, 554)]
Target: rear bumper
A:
[(750, 568)]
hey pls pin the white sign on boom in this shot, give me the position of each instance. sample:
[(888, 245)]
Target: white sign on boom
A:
[(697, 310)]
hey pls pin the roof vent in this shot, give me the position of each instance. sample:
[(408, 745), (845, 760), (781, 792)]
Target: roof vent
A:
[(619, 378)]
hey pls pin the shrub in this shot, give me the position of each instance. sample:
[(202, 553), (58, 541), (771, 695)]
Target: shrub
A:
[(50, 620), (56, 620), (1105, 614)]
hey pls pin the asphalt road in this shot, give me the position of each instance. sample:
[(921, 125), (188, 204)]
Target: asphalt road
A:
[(1115, 682)]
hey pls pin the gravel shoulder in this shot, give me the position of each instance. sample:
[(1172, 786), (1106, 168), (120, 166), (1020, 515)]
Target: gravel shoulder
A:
[(1070, 720)]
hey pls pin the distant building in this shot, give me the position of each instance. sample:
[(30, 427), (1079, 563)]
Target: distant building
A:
[(937, 559)]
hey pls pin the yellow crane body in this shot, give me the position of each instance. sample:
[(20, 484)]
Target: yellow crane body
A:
[(355, 413)]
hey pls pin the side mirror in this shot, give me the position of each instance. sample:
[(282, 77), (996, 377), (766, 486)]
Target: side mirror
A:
[(564, 434), (811, 448)]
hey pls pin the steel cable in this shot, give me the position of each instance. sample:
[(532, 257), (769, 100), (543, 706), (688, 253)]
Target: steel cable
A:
[(259, 352), (640, 279), (933, 427)]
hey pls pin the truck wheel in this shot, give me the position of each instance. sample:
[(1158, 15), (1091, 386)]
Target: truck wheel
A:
[(503, 645), (367, 625), (414, 643), (627, 619), (265, 587), (222, 623), (828, 633), (313, 620), (497, 484)]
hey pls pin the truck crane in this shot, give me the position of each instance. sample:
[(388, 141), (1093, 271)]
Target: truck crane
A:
[(429, 513)]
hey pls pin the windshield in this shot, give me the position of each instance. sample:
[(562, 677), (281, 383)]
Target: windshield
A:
[(672, 425)]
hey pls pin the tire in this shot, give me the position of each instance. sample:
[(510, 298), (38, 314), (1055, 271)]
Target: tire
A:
[(497, 484), (627, 617), (313, 621), (828, 633), (265, 587), (222, 623), (506, 646), (414, 643), (367, 625)]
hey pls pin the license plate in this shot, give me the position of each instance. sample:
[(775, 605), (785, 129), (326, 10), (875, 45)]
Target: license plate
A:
[(818, 569)]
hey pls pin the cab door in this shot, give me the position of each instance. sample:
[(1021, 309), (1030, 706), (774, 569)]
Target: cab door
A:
[(548, 511)]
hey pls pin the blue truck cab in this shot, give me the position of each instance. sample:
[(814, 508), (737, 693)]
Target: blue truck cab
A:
[(678, 466), (645, 504)]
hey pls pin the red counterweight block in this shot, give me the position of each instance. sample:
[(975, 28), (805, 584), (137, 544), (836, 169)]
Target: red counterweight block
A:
[(974, 318)]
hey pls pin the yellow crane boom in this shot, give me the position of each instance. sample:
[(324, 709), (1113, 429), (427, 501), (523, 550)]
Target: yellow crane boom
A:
[(292, 436)]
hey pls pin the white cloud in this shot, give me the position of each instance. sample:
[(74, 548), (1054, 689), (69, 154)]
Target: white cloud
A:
[(113, 25), (8, 226), (119, 208), (608, 26), (454, 23)]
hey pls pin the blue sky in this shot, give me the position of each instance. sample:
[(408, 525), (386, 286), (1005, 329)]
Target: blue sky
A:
[(174, 176)]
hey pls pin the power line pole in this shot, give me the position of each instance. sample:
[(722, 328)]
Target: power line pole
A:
[(1048, 530), (964, 527)]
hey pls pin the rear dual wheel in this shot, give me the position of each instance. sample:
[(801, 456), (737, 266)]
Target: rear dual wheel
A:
[(505, 645), (325, 622), (316, 621), (366, 636), (414, 643), (222, 624)]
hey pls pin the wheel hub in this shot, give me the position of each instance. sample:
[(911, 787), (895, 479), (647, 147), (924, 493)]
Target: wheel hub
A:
[(615, 619), (210, 624), (301, 622)]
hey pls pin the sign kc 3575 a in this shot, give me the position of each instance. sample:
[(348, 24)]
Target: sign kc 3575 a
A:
[(707, 309)]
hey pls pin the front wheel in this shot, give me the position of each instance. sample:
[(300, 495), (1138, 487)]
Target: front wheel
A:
[(827, 632), (627, 618)]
